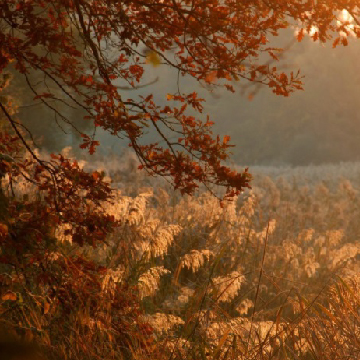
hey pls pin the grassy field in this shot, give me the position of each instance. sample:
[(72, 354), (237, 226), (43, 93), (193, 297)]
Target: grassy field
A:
[(274, 274)]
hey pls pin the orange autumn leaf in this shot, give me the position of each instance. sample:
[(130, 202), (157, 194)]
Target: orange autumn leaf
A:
[(211, 77), (11, 296)]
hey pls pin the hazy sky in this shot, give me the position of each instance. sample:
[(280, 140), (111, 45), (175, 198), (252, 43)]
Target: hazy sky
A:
[(318, 125)]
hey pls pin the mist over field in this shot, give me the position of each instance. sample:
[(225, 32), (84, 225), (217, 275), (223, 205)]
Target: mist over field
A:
[(316, 126)]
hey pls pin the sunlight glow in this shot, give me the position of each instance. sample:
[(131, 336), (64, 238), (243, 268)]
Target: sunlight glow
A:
[(346, 19)]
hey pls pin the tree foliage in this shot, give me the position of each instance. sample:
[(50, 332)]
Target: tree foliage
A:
[(81, 53), (227, 40)]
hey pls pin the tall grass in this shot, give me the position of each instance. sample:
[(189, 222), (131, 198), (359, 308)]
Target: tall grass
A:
[(271, 275)]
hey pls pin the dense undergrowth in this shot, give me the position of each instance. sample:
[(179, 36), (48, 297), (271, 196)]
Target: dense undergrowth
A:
[(272, 275)]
